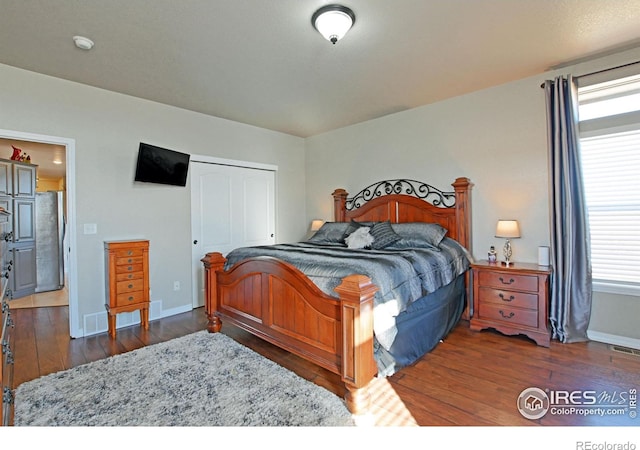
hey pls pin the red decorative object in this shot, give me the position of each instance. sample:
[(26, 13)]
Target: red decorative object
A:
[(16, 154)]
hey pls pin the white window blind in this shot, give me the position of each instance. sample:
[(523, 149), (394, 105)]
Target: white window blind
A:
[(610, 153), (611, 169)]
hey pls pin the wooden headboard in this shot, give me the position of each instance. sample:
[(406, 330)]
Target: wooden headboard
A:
[(400, 201)]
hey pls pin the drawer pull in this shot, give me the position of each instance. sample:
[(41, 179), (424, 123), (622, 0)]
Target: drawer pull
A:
[(130, 286), (130, 252), (510, 299), (130, 299), (130, 259), (130, 268), (507, 316), (511, 280)]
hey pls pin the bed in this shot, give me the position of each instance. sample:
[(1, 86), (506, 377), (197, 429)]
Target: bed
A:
[(292, 296)]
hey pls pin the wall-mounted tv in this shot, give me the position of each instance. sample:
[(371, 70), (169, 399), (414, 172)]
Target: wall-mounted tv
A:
[(162, 166)]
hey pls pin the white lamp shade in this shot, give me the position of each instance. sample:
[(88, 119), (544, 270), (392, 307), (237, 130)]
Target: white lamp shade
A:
[(316, 224), (333, 22), (508, 229)]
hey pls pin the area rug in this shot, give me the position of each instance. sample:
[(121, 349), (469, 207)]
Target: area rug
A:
[(201, 379)]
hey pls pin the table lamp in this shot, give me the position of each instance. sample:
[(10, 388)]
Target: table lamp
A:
[(507, 229), (316, 224)]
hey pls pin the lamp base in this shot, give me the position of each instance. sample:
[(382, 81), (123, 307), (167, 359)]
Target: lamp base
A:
[(507, 253)]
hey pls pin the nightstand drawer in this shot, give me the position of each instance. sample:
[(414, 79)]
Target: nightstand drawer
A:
[(508, 298), (128, 276), (128, 253), (129, 286), (503, 280), (515, 316), (129, 268), (129, 260), (130, 298)]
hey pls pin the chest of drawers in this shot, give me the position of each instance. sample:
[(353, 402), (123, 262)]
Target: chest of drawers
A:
[(127, 280), (6, 326), (512, 300)]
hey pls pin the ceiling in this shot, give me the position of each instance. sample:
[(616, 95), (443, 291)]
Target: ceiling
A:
[(261, 62)]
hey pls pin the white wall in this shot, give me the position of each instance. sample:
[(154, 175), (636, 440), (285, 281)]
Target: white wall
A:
[(496, 137), (107, 128)]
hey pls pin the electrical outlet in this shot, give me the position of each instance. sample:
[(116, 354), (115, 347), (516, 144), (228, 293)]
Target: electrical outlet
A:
[(176, 285)]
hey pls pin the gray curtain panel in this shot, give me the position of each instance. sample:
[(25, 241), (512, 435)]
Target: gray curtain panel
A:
[(571, 292)]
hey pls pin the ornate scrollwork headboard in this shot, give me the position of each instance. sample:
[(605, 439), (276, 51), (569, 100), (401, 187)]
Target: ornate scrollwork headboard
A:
[(403, 200)]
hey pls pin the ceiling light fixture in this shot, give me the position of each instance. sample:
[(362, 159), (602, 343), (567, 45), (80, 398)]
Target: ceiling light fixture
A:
[(333, 21), (83, 42)]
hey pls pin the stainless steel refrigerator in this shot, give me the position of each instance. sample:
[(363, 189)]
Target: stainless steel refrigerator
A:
[(50, 231)]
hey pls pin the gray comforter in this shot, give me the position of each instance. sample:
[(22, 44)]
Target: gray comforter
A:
[(402, 276)]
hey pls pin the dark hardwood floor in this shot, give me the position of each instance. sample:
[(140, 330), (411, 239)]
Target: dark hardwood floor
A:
[(470, 379)]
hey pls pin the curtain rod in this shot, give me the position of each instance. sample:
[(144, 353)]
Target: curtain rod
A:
[(603, 70)]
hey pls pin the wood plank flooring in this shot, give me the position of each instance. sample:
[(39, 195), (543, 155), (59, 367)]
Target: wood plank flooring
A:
[(470, 379)]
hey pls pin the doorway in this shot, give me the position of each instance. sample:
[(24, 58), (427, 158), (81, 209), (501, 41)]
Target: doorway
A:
[(43, 151)]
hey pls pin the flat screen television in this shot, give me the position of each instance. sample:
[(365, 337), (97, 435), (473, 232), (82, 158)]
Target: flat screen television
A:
[(162, 166)]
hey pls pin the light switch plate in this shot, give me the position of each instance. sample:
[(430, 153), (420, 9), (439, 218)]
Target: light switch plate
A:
[(90, 228)]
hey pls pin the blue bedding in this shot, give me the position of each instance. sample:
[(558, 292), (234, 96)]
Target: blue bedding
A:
[(403, 276)]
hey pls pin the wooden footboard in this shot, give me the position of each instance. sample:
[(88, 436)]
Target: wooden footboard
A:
[(276, 302)]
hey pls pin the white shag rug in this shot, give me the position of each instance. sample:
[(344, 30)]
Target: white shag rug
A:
[(202, 379)]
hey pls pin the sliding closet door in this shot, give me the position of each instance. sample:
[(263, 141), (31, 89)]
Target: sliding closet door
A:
[(231, 206)]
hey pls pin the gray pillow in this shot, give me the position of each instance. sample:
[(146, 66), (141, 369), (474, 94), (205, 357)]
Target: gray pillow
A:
[(383, 235), (330, 233), (419, 234)]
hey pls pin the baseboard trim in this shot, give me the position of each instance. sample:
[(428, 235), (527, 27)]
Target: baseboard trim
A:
[(613, 339)]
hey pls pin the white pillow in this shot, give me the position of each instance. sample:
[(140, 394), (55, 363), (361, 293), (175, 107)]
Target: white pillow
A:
[(359, 238)]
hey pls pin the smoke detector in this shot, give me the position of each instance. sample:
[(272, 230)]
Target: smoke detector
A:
[(83, 42)]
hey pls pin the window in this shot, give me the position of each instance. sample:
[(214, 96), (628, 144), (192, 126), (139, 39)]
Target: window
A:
[(609, 114)]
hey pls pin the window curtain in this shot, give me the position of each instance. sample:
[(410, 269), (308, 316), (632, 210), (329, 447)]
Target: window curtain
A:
[(571, 291)]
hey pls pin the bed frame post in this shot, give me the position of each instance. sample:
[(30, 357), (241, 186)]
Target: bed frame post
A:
[(339, 204), (462, 187), (358, 364), (213, 262)]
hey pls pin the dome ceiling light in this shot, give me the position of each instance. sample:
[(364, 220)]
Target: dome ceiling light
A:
[(333, 21)]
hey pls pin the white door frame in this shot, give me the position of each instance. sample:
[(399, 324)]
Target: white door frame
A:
[(225, 162), (70, 145)]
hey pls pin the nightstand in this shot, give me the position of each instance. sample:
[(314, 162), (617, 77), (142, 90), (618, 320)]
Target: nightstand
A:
[(512, 300)]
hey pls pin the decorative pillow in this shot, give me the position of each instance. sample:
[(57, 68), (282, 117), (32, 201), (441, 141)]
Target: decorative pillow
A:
[(419, 234), (330, 233), (359, 238), (353, 226), (383, 235)]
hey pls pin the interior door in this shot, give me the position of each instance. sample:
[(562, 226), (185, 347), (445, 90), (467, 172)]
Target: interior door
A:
[(231, 206)]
